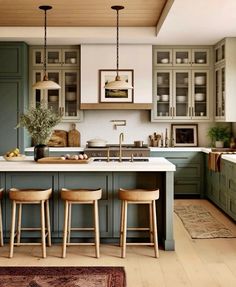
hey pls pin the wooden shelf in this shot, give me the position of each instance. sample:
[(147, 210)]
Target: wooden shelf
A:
[(116, 106)]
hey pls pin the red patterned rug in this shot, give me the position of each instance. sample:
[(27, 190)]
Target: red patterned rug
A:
[(62, 276)]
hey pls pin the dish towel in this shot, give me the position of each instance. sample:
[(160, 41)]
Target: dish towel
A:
[(214, 160)]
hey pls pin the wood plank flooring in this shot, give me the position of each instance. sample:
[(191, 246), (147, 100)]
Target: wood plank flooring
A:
[(194, 263)]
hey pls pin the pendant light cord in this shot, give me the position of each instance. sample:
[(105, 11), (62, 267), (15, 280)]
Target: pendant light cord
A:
[(117, 43), (45, 43)]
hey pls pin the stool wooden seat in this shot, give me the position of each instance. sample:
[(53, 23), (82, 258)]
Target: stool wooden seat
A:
[(1, 228), (138, 196), (80, 196), (30, 196)]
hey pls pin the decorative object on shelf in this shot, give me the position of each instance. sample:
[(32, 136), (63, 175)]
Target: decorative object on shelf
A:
[(39, 122), (115, 95), (59, 138), (118, 83), (155, 139), (73, 136), (219, 135), (184, 135), (45, 84)]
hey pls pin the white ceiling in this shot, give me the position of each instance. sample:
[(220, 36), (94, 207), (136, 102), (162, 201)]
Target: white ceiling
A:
[(196, 22)]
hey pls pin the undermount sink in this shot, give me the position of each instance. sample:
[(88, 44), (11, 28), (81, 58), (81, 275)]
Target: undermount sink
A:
[(123, 159)]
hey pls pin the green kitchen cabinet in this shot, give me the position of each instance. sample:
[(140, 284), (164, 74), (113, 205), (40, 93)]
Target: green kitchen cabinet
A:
[(31, 213), (138, 215), (189, 175), (231, 188), (13, 93), (82, 214)]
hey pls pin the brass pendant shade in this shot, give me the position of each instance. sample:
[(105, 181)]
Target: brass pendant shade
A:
[(45, 84), (118, 84)]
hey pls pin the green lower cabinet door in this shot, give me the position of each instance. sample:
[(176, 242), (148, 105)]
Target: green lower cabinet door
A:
[(231, 210), (214, 187), (223, 190), (31, 213), (82, 214), (187, 186), (138, 215)]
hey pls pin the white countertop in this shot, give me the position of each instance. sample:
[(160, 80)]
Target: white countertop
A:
[(58, 149), (183, 149), (229, 157), (154, 164)]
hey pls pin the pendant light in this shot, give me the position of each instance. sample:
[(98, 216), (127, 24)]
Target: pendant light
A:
[(118, 84), (45, 84)]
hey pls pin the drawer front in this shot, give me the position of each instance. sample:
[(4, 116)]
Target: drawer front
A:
[(195, 157), (187, 187), (184, 170)]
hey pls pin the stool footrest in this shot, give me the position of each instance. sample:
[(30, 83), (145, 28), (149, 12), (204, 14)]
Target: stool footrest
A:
[(81, 243), (140, 243), (27, 243), (139, 228), (82, 229)]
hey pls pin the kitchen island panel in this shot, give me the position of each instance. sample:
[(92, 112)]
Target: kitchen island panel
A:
[(82, 214), (31, 213)]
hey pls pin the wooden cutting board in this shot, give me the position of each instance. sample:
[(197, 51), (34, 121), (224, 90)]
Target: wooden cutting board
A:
[(59, 138), (53, 159)]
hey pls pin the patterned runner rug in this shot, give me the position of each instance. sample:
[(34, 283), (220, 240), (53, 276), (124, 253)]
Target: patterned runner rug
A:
[(200, 223), (62, 276)]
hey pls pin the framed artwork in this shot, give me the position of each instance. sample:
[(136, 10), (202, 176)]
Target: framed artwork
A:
[(115, 96), (184, 135)]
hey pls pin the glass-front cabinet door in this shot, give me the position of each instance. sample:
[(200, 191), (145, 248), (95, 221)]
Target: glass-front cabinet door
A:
[(70, 95), (220, 93), (200, 57), (182, 57), (53, 97), (163, 57), (163, 94), (219, 52), (70, 57), (200, 94), (181, 99)]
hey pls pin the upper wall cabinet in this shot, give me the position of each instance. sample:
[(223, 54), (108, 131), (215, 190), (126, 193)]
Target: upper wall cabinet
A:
[(167, 57), (62, 68), (225, 79), (182, 84)]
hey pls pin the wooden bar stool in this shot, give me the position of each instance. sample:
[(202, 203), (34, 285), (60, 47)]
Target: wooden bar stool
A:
[(1, 228), (80, 196), (138, 196), (30, 196)]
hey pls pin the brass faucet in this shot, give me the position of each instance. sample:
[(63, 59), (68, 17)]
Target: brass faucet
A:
[(121, 138)]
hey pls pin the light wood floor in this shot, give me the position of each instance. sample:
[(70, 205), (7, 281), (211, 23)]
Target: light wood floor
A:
[(194, 263)]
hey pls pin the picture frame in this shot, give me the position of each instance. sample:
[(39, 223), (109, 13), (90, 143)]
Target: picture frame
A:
[(184, 135), (115, 96)]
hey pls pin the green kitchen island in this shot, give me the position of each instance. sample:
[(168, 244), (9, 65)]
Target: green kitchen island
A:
[(110, 176)]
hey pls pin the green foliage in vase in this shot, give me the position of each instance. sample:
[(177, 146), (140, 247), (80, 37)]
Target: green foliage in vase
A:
[(219, 133), (39, 122)]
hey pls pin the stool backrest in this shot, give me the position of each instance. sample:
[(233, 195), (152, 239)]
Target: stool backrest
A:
[(29, 194)]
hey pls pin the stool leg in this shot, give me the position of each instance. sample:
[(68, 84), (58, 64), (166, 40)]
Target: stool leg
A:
[(19, 223), (48, 223), (69, 222), (96, 228), (1, 229), (65, 229), (123, 254), (13, 221), (43, 229), (121, 223), (151, 223), (155, 228)]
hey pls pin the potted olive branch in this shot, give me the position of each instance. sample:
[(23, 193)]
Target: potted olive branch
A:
[(39, 122), (219, 135)]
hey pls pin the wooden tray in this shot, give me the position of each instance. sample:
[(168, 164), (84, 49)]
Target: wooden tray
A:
[(53, 159)]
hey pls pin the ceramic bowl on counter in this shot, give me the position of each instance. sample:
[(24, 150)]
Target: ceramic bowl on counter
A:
[(181, 99), (200, 80), (97, 143), (199, 97), (164, 98)]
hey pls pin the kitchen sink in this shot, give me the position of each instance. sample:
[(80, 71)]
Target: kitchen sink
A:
[(123, 159)]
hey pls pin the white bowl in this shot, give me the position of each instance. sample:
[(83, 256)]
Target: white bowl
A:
[(165, 98), (200, 80), (185, 60), (52, 98), (165, 61), (199, 97), (200, 61), (178, 60), (158, 97), (73, 60), (181, 99), (70, 96)]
